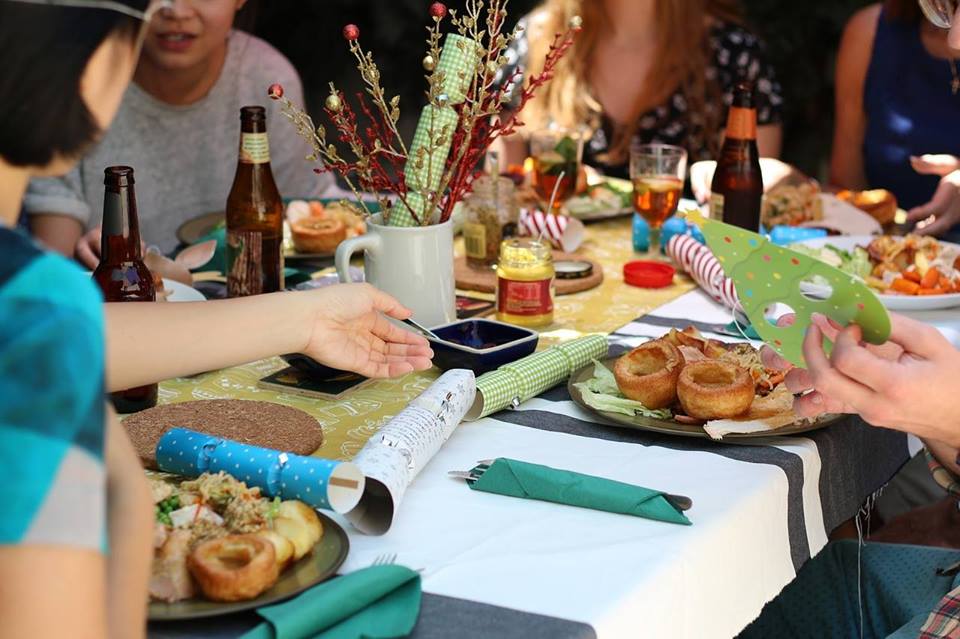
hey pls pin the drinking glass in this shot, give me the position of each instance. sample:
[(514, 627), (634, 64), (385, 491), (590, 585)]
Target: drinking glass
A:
[(657, 172), (556, 154)]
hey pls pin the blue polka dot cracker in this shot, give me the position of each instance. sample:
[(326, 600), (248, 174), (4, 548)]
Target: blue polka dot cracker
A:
[(767, 275), (321, 483)]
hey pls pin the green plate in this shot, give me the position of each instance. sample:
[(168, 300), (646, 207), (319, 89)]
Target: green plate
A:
[(321, 564), (198, 228), (671, 427)]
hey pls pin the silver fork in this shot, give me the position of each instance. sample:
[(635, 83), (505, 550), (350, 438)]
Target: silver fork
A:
[(386, 559), (680, 502)]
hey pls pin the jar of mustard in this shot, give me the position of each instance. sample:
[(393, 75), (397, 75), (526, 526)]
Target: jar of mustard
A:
[(525, 282)]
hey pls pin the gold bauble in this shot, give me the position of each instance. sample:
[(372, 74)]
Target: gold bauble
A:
[(576, 22), (333, 103), (429, 64)]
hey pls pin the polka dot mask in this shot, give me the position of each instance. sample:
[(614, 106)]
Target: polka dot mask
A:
[(772, 280), (321, 483)]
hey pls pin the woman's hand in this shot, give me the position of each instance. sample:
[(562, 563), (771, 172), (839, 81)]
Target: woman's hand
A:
[(944, 207), (350, 332), (909, 384)]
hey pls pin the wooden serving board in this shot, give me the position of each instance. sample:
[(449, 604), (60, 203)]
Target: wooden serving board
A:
[(485, 281)]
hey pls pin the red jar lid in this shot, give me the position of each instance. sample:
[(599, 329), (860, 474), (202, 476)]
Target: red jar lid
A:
[(647, 274)]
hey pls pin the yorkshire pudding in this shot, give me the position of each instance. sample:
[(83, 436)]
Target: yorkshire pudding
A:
[(713, 389), (316, 235), (648, 373), (234, 568)]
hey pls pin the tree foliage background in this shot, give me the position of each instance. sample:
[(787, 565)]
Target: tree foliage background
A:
[(801, 37)]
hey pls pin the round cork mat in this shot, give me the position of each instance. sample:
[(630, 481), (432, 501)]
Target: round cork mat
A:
[(485, 281), (262, 424)]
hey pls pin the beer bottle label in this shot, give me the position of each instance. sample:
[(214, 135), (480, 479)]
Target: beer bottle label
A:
[(475, 240), (254, 148), (742, 124), (716, 206)]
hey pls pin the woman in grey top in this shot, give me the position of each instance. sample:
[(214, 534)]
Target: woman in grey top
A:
[(178, 126)]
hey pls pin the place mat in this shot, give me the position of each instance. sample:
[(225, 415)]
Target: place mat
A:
[(485, 281), (258, 423)]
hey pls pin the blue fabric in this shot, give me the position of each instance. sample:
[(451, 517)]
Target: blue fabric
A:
[(910, 110), (899, 587), (51, 388)]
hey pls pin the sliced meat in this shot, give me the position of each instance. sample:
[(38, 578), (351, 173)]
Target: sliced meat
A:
[(169, 579)]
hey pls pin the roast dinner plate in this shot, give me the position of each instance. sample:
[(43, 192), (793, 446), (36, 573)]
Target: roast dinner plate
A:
[(670, 427), (321, 564)]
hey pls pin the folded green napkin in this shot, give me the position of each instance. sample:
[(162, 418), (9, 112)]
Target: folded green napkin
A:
[(533, 481), (380, 602), (534, 374)]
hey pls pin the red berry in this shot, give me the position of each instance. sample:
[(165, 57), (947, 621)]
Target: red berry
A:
[(275, 91), (438, 10), (351, 32)]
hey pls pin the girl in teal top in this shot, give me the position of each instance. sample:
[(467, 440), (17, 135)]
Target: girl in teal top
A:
[(75, 530)]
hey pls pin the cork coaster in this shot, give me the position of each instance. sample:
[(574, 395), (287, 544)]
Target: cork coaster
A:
[(485, 281), (258, 423)]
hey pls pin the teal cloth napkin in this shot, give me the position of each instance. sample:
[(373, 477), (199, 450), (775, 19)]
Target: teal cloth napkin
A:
[(380, 602), (533, 481), (747, 330)]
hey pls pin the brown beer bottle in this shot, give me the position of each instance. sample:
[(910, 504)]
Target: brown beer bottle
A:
[(737, 184), (121, 274), (254, 214)]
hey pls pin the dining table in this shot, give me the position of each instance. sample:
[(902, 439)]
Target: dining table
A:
[(493, 566)]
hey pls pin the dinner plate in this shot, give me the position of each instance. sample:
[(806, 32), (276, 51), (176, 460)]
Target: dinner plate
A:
[(321, 564), (192, 231), (671, 427), (181, 292), (893, 302), (585, 209)]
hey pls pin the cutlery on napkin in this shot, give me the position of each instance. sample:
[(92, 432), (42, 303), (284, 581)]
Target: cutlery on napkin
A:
[(514, 478), (739, 327), (380, 601)]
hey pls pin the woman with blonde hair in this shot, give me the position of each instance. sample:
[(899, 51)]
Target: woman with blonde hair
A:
[(648, 71)]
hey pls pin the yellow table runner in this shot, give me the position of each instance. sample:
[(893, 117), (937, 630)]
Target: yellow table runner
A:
[(348, 423)]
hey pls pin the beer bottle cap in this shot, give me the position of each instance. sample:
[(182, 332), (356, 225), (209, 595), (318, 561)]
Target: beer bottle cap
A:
[(647, 274)]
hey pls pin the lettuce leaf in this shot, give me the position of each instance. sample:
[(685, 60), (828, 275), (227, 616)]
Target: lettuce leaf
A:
[(600, 392)]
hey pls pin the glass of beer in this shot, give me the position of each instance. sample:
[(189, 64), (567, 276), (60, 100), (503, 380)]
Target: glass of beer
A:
[(657, 172), (556, 155)]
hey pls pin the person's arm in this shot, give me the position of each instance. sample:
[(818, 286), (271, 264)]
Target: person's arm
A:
[(57, 232), (769, 140), (342, 326), (945, 454), (52, 591), (850, 121), (130, 522)]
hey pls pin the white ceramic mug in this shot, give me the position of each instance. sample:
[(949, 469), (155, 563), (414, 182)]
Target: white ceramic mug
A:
[(413, 264)]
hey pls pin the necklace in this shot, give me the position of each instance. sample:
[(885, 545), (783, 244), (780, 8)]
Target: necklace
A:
[(955, 83)]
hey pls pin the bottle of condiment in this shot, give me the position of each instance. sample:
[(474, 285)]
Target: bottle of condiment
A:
[(254, 214), (121, 274), (492, 215), (737, 186), (525, 282)]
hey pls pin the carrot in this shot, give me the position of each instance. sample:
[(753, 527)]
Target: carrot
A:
[(945, 282), (911, 275), (930, 278), (932, 291), (901, 285)]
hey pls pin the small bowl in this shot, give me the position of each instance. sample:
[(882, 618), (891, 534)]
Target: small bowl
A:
[(480, 345)]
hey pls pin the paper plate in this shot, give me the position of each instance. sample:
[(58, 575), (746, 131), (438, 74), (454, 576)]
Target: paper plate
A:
[(181, 292), (321, 564)]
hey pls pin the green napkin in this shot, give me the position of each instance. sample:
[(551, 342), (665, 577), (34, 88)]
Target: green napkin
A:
[(380, 602), (533, 481)]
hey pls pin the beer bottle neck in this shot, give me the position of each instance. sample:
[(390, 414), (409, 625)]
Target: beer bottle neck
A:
[(254, 144), (742, 123), (120, 241)]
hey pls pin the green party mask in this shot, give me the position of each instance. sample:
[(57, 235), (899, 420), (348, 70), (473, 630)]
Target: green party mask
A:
[(765, 274)]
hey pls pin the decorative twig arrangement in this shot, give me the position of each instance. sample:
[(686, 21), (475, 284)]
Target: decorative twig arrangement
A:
[(467, 109)]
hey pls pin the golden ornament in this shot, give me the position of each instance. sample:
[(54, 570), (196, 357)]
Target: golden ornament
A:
[(333, 103), (576, 22), (429, 64)]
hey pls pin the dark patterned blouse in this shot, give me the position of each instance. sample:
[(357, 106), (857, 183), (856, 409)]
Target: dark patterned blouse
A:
[(736, 54)]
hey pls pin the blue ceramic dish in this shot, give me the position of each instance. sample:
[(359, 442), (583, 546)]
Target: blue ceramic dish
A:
[(480, 345)]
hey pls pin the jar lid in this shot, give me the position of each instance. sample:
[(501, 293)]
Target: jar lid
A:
[(646, 274), (572, 269)]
